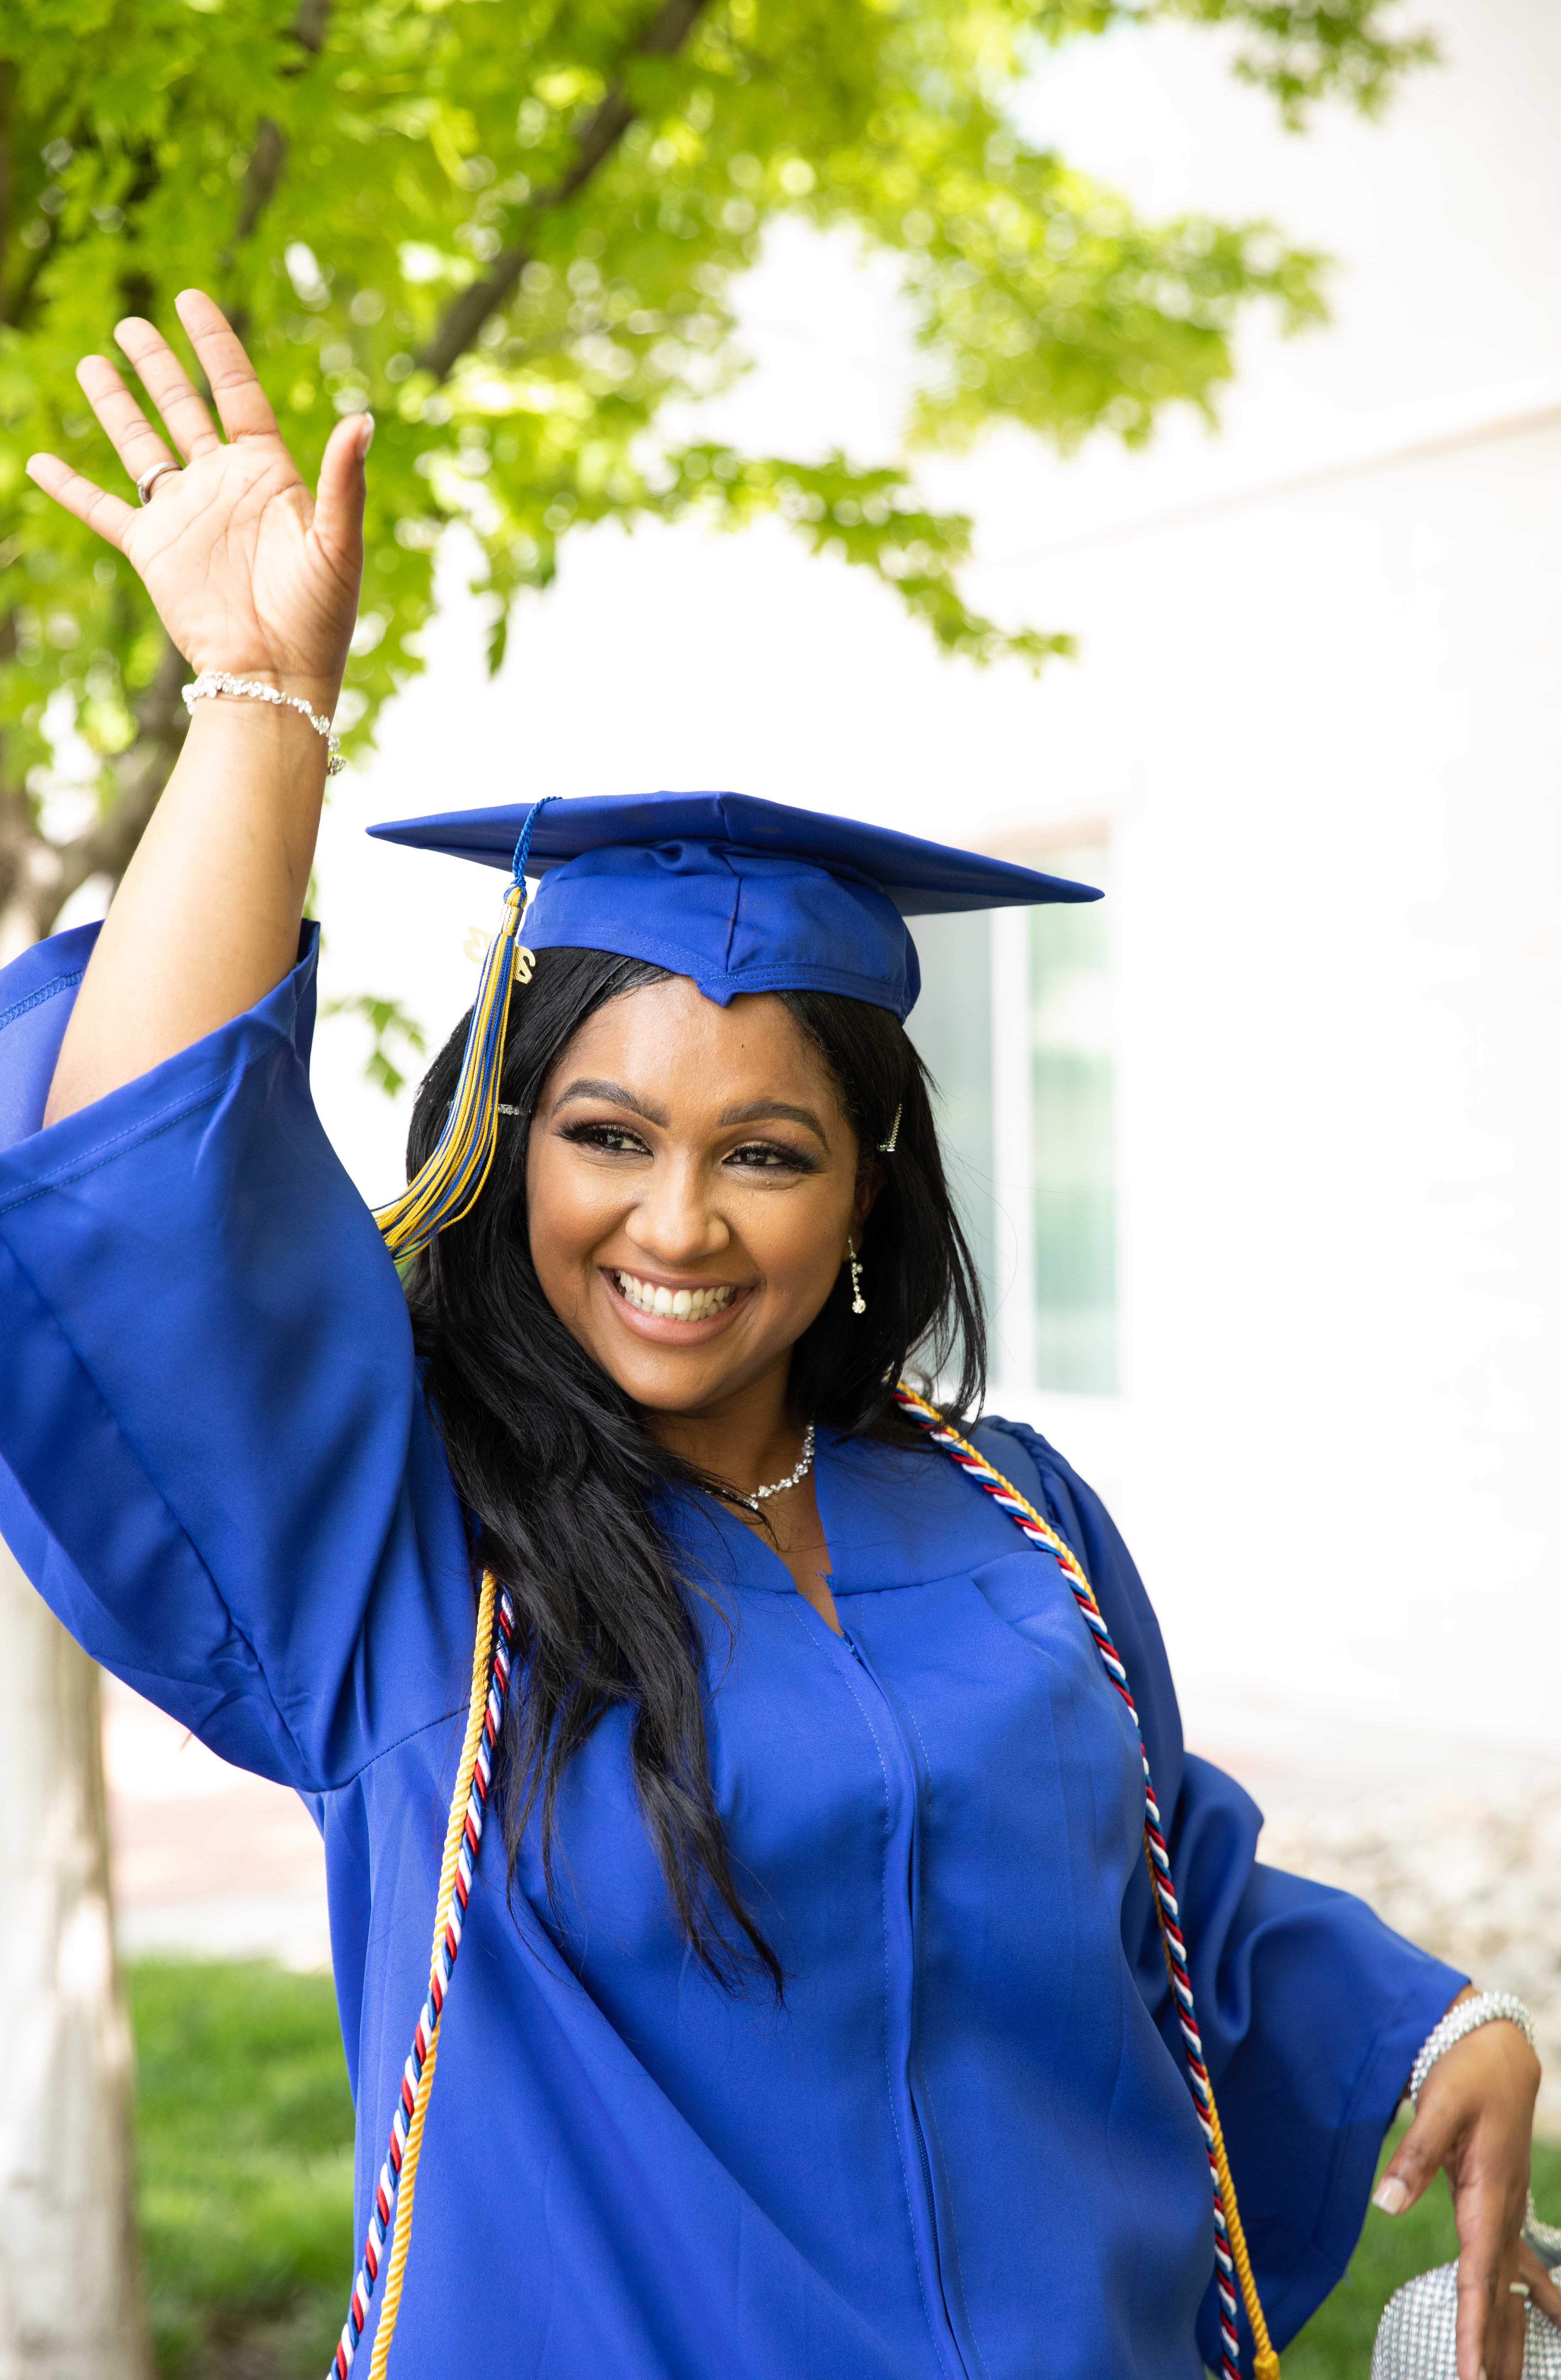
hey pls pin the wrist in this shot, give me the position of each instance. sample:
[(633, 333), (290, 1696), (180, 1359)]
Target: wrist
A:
[(320, 690), (1468, 2013), (225, 694)]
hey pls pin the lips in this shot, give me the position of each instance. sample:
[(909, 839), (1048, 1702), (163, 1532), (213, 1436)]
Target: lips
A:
[(675, 1305)]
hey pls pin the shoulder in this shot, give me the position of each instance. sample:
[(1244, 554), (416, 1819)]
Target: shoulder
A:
[(1077, 1513), (1074, 1510), (1040, 1473)]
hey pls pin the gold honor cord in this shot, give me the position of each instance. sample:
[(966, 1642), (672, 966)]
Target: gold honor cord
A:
[(482, 1659)]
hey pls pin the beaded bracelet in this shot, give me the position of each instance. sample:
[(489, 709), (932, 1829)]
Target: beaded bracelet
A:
[(1485, 2008), (214, 682)]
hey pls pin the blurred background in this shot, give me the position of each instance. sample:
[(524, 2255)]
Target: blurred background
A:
[(1261, 1154)]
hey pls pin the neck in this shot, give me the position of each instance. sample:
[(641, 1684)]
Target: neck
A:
[(747, 1439)]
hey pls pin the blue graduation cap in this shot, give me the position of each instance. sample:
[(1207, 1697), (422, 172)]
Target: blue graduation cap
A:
[(742, 895)]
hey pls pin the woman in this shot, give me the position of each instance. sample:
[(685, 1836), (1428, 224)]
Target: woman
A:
[(824, 2027)]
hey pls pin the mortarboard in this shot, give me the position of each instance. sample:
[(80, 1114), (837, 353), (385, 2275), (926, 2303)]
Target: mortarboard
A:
[(742, 895)]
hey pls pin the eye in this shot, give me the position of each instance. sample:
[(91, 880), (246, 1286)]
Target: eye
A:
[(614, 1139), (770, 1157)]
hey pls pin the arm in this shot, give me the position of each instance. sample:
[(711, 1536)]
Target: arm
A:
[(1312, 2012), (216, 1461), (247, 574)]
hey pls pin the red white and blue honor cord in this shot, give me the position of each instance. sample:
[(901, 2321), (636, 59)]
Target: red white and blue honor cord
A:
[(463, 1841), (1231, 2260)]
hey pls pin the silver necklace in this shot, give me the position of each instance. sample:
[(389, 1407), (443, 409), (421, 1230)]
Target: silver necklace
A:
[(793, 1479)]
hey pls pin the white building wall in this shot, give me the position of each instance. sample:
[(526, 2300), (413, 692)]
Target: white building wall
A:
[(1318, 705), (1334, 784)]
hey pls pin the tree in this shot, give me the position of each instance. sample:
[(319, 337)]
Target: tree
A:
[(513, 229)]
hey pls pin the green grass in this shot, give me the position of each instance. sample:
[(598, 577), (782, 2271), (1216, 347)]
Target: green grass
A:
[(245, 2143)]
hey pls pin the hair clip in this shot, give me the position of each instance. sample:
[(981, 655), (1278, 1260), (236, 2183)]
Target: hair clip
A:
[(887, 1147), (504, 1110)]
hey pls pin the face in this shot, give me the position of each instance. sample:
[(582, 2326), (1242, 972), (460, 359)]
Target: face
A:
[(692, 1182)]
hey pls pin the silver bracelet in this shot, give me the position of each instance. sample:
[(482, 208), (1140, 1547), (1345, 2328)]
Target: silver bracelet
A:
[(1485, 2008), (213, 681)]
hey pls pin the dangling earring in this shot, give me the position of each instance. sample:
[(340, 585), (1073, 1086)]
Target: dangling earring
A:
[(858, 1302)]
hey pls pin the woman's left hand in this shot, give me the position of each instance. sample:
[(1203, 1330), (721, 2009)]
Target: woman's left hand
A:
[(1476, 2118)]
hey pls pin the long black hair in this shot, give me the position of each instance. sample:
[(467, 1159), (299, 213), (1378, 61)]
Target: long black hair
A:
[(558, 1473)]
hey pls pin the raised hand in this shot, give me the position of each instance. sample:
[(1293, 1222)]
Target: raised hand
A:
[(248, 570)]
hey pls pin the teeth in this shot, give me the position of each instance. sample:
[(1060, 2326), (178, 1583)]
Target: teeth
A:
[(683, 1304)]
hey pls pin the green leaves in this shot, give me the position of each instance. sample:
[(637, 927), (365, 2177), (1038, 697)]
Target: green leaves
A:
[(393, 1034), (1299, 54), (513, 229)]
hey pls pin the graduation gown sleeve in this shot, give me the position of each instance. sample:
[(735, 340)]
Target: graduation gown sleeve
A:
[(215, 1460), (1310, 2009)]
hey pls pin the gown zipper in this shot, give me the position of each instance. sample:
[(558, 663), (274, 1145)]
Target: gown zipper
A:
[(947, 2341)]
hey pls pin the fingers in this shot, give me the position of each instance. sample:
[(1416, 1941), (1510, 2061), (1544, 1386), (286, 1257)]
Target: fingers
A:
[(1488, 2203), (240, 400), (1487, 2312), (1542, 2291), (110, 515), (132, 436), (1412, 2166), (169, 386), (338, 510)]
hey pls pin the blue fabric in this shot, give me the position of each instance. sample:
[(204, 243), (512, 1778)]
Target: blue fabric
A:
[(741, 894), (964, 2148)]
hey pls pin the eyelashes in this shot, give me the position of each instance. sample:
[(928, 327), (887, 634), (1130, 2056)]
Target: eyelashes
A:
[(750, 1156), (616, 1139), (770, 1157)]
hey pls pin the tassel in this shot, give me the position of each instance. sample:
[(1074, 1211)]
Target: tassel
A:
[(448, 1185)]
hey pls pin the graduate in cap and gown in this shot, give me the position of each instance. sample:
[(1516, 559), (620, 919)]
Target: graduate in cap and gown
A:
[(760, 1748)]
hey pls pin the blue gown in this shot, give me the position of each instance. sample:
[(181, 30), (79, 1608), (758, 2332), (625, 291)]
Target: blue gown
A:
[(964, 2147)]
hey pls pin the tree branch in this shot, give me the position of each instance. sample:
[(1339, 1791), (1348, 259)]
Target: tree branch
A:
[(18, 840), (17, 833), (599, 136), (140, 774), (269, 154)]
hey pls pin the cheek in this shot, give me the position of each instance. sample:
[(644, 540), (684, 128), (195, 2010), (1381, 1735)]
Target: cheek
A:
[(797, 1244), (571, 1209)]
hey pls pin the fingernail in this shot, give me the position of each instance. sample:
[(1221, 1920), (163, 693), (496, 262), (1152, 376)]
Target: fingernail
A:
[(1392, 2196), (366, 436)]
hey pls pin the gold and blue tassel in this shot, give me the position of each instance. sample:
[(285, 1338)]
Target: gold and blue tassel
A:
[(448, 1185)]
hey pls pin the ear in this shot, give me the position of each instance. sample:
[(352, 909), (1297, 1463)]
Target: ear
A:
[(870, 1183)]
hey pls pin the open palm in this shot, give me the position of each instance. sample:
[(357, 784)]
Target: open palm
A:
[(248, 570)]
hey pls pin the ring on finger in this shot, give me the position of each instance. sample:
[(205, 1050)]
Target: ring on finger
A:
[(150, 478), (1517, 2288)]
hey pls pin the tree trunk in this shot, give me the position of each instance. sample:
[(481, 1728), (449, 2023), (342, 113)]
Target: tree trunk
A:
[(70, 2301)]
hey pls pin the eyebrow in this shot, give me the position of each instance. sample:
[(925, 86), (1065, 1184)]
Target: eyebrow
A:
[(592, 1086), (769, 1110), (596, 1086)]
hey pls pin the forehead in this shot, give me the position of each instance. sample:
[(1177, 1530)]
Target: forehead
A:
[(668, 1038)]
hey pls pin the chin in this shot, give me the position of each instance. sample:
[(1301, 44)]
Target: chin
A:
[(678, 1384)]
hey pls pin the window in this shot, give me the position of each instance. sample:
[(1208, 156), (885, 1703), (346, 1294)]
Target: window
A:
[(1014, 1021)]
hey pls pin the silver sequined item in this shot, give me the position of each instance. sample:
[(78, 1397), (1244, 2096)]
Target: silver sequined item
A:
[(1416, 2338)]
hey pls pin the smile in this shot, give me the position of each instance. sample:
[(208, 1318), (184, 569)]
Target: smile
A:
[(679, 1304)]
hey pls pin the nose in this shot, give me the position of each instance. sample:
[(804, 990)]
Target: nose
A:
[(676, 1221)]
